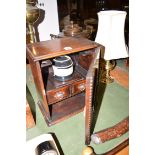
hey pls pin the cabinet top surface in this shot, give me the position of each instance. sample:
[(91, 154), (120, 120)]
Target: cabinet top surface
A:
[(57, 47)]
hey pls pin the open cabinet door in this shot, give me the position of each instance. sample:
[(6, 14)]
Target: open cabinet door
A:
[(92, 80)]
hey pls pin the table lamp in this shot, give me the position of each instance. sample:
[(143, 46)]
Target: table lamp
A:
[(32, 15), (110, 34)]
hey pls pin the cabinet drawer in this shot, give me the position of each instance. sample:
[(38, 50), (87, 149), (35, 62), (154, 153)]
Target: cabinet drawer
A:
[(58, 94), (78, 87)]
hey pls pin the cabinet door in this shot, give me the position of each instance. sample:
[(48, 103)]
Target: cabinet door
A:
[(92, 79)]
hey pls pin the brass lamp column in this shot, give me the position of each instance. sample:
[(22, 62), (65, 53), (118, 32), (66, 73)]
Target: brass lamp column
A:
[(108, 66), (32, 15)]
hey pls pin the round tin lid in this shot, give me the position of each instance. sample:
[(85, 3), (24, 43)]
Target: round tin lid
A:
[(45, 148), (62, 61)]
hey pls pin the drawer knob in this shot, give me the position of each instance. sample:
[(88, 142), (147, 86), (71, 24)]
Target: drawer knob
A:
[(59, 95), (81, 87)]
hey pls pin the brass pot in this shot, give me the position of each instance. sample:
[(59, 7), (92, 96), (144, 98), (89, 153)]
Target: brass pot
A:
[(32, 13), (72, 29), (76, 30)]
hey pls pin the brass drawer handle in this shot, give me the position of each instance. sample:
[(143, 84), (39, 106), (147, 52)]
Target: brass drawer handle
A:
[(59, 95), (81, 87)]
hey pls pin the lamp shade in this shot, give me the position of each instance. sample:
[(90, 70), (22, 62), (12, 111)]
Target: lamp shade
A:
[(110, 33)]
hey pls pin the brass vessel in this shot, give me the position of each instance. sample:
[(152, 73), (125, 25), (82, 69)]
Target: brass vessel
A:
[(72, 29), (75, 30), (107, 66), (32, 15)]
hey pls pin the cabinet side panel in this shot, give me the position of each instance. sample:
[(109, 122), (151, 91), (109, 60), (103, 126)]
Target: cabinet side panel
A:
[(36, 72)]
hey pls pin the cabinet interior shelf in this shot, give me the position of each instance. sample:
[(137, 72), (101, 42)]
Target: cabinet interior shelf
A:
[(67, 108)]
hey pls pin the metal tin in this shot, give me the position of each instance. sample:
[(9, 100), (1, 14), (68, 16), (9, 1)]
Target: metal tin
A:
[(45, 148), (62, 67)]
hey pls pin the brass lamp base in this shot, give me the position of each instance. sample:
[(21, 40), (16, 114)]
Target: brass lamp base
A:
[(107, 66), (32, 15), (107, 80)]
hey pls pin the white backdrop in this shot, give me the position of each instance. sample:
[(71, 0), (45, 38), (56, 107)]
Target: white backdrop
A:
[(50, 24)]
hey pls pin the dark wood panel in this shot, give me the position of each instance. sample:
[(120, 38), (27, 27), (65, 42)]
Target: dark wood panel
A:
[(78, 87), (38, 79), (67, 108), (58, 94), (65, 91), (52, 48), (29, 117), (84, 59)]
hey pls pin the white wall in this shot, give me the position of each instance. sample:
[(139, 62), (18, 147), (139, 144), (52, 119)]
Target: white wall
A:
[(50, 24)]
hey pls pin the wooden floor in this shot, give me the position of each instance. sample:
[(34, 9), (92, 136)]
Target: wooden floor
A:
[(124, 151), (29, 117), (121, 76)]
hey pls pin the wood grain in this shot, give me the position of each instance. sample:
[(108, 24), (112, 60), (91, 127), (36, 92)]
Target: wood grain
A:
[(120, 76), (53, 48), (29, 117), (112, 132)]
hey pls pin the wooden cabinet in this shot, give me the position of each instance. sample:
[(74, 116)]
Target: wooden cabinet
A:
[(59, 100)]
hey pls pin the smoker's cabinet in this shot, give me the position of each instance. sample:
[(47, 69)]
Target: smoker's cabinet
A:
[(59, 100)]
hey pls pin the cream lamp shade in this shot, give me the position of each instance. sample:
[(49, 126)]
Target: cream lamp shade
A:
[(110, 33)]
